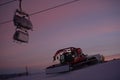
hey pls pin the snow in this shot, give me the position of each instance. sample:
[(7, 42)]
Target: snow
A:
[(104, 71), (58, 69)]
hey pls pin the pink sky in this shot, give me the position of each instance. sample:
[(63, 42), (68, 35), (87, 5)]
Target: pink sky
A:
[(93, 25)]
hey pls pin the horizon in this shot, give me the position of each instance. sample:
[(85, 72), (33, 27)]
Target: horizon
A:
[(37, 69)]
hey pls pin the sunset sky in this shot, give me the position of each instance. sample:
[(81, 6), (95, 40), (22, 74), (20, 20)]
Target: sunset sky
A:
[(93, 25)]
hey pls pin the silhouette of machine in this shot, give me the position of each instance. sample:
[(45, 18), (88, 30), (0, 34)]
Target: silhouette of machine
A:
[(72, 58)]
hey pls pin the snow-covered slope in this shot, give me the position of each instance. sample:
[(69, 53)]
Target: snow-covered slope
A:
[(104, 71)]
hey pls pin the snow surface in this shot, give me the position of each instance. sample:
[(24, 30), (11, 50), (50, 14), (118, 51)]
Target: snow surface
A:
[(104, 71)]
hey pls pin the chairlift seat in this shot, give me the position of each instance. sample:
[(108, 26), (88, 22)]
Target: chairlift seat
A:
[(21, 36)]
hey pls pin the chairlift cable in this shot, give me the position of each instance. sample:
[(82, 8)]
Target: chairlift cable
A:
[(2, 4), (41, 11), (53, 7)]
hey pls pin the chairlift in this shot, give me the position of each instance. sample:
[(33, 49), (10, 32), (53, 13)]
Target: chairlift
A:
[(21, 36), (22, 19)]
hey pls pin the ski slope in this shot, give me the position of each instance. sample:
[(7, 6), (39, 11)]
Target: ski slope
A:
[(104, 71)]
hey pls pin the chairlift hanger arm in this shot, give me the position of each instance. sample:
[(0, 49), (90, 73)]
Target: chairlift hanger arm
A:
[(20, 5)]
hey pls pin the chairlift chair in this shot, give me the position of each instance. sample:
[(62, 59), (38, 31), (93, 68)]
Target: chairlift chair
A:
[(21, 36), (22, 19)]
